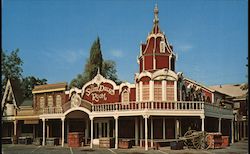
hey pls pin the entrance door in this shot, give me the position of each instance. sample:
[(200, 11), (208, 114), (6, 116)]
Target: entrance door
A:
[(101, 129)]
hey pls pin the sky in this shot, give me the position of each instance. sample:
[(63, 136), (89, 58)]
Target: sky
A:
[(210, 37)]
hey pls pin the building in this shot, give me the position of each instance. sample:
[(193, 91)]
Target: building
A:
[(238, 95), (161, 104)]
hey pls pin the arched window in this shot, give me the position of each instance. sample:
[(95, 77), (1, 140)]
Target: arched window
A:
[(50, 101), (145, 91), (157, 91), (41, 102), (170, 90), (58, 101), (125, 96)]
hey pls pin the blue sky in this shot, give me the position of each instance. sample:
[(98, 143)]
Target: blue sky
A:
[(210, 37)]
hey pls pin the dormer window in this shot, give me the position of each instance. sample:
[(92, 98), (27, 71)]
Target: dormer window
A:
[(162, 47), (125, 96), (41, 102)]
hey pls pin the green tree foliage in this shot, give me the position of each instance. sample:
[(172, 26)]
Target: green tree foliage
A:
[(28, 84), (11, 66), (109, 71), (12, 69), (95, 61)]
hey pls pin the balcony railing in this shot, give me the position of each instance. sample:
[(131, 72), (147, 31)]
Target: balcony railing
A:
[(52, 110), (148, 105), (138, 106)]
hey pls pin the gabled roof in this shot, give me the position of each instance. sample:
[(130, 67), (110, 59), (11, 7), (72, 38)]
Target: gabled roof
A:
[(17, 91), (13, 89), (50, 87), (233, 90), (199, 84)]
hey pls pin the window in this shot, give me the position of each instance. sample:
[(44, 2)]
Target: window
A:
[(50, 101), (125, 96), (157, 91), (170, 90), (145, 92), (41, 102), (162, 47), (58, 101)]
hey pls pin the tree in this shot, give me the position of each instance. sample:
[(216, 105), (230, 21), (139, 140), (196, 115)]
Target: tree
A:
[(95, 61), (109, 71), (28, 84), (11, 67)]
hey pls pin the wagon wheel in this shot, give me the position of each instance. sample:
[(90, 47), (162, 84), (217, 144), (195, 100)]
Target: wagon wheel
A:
[(188, 138), (202, 141)]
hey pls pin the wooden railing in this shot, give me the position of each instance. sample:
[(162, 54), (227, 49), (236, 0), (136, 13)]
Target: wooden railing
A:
[(52, 110), (148, 105), (138, 106)]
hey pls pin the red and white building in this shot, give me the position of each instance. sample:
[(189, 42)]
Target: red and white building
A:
[(161, 104)]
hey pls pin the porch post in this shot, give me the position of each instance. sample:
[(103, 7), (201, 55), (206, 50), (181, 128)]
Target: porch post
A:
[(91, 132), (141, 132), (136, 131), (232, 131), (202, 123), (219, 128), (152, 132), (116, 132), (177, 128), (164, 128), (146, 132), (63, 131), (43, 131), (15, 127)]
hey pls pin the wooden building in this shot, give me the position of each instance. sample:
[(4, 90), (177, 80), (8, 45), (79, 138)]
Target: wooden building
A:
[(161, 104)]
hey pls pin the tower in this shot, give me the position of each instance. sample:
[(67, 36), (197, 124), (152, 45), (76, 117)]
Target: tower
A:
[(156, 53)]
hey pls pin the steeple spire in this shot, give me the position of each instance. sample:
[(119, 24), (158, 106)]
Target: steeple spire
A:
[(156, 11), (156, 28)]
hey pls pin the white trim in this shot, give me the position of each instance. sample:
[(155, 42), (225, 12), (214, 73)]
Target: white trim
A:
[(151, 90), (175, 90), (164, 96), (159, 74), (98, 79), (140, 94), (77, 108)]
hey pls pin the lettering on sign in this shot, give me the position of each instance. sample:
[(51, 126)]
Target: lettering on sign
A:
[(97, 92)]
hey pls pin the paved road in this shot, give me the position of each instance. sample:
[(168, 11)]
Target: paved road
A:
[(236, 148)]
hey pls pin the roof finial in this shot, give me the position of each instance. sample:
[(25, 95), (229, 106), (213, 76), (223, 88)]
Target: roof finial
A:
[(98, 70), (156, 11)]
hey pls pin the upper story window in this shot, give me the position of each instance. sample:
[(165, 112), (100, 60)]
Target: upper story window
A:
[(125, 96), (157, 91), (58, 101), (50, 101), (162, 47), (41, 102), (170, 90), (145, 92)]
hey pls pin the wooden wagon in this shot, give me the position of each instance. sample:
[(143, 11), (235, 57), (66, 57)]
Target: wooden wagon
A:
[(196, 139)]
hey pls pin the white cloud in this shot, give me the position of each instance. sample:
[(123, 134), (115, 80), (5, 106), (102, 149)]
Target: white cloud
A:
[(68, 56), (184, 47), (117, 53)]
